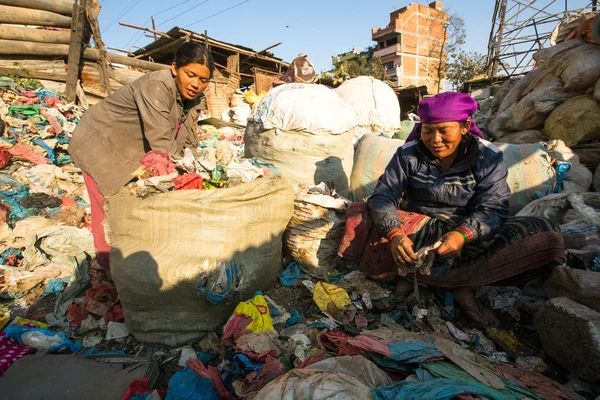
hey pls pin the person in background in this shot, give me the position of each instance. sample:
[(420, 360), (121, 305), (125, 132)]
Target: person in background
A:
[(446, 187), (158, 111)]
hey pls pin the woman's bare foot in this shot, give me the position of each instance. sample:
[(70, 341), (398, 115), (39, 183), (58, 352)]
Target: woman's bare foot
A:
[(480, 315), (404, 287)]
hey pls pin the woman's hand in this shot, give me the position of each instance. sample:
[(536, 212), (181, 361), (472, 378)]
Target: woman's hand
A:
[(452, 245), (403, 251)]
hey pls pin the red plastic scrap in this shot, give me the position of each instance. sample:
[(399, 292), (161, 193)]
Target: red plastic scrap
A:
[(5, 157), (236, 328), (22, 150), (349, 346), (320, 356), (56, 128), (4, 212), (187, 182), (140, 386), (115, 315), (158, 162), (67, 201), (269, 371), (211, 373), (261, 358), (540, 384)]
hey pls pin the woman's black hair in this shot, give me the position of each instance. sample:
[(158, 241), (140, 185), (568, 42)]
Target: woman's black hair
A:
[(194, 53)]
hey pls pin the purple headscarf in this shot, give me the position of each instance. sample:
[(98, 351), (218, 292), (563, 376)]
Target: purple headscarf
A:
[(446, 107)]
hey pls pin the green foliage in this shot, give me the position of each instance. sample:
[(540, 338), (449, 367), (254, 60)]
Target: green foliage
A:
[(454, 38), (24, 82), (465, 65), (361, 66)]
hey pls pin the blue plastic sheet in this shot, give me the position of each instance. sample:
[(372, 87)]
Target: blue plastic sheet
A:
[(230, 291), (16, 331), (290, 275), (295, 318), (95, 352), (402, 353), (63, 139), (436, 389), (449, 304), (48, 149), (205, 358), (446, 370), (56, 285), (188, 385), (596, 264), (242, 365), (562, 170), (10, 252)]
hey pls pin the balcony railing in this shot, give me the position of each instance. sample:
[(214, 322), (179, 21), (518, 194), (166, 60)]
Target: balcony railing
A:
[(393, 49)]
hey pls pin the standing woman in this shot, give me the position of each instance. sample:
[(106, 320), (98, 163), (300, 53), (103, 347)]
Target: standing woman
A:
[(158, 111)]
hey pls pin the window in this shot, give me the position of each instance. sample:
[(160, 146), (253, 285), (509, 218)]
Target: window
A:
[(392, 41), (389, 66), (381, 45)]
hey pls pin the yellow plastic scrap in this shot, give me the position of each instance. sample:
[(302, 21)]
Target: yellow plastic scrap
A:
[(4, 316), (252, 98), (258, 310), (325, 293), (24, 321), (507, 338)]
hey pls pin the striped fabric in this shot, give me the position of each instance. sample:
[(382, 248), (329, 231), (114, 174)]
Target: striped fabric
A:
[(523, 248)]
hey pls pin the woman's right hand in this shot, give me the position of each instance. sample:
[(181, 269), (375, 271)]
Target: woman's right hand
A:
[(403, 251)]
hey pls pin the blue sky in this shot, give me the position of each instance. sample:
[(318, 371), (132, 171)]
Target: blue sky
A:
[(318, 28)]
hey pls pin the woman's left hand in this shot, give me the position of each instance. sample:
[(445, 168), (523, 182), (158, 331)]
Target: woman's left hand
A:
[(452, 245)]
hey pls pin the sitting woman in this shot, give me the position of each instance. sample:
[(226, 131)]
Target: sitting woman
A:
[(446, 187)]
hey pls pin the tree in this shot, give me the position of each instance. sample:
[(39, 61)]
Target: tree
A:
[(454, 38), (362, 66), (463, 66)]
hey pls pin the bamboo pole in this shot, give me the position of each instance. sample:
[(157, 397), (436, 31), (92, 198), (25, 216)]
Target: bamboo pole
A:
[(216, 43), (74, 49), (64, 7), (12, 48), (34, 35), (92, 14), (93, 55), (26, 16), (141, 28), (176, 42)]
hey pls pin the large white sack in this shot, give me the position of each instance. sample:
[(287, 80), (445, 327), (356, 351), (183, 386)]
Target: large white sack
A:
[(579, 177), (524, 137), (574, 121), (548, 56), (371, 157), (302, 107), (375, 103), (583, 68), (533, 109), (303, 157), (530, 173), (174, 253)]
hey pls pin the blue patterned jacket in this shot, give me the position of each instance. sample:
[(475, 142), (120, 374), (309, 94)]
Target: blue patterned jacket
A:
[(474, 187)]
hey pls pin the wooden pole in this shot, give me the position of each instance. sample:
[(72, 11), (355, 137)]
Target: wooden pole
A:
[(92, 14), (93, 55), (75, 45), (216, 43), (129, 53), (165, 34), (160, 48), (154, 28), (34, 35), (64, 7), (26, 16)]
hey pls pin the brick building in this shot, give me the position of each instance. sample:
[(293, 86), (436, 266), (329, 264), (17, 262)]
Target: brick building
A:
[(410, 45)]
